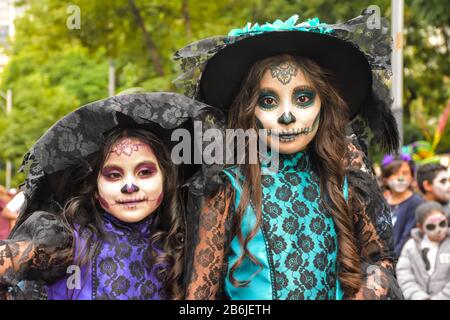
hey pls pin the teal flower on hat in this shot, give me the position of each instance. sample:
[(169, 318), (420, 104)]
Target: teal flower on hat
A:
[(311, 25)]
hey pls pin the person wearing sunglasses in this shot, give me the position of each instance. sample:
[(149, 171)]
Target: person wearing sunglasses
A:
[(423, 269)]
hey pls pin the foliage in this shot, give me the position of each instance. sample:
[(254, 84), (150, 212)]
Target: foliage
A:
[(54, 69)]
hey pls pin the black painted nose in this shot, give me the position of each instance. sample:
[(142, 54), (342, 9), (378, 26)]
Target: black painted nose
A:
[(129, 189), (286, 118)]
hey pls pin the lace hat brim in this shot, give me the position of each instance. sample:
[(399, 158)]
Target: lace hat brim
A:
[(339, 47), (224, 73), (71, 141)]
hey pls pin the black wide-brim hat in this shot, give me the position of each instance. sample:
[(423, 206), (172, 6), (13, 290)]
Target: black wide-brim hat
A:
[(350, 71), (73, 140), (356, 53)]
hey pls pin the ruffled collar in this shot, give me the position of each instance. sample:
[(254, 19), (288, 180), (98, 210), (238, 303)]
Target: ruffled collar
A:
[(299, 161), (142, 227)]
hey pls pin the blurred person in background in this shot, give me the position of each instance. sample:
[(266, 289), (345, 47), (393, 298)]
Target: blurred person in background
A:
[(398, 178), (423, 270)]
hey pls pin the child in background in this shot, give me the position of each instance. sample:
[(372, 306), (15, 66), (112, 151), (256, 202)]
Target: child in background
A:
[(398, 177), (423, 270), (434, 182)]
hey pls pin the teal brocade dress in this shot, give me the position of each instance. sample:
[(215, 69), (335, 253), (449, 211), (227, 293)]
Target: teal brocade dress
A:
[(297, 243)]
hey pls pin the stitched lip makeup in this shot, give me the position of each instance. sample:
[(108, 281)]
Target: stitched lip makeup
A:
[(288, 106), (131, 201), (288, 135), (132, 204), (130, 184)]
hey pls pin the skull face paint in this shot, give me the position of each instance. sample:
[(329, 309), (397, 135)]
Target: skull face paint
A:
[(436, 226), (288, 107), (441, 187), (398, 185), (130, 183), (400, 181)]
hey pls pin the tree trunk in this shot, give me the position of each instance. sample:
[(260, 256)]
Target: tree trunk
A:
[(151, 47), (187, 18)]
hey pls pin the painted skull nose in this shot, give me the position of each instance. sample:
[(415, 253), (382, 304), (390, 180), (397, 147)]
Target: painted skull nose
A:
[(286, 118), (129, 188)]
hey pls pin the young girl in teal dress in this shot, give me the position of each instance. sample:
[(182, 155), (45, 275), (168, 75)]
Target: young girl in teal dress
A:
[(318, 227)]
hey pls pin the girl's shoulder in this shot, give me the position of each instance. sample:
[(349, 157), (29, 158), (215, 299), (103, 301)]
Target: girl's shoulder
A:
[(411, 246), (411, 203), (415, 199)]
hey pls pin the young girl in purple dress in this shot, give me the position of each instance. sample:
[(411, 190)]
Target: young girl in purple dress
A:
[(103, 217)]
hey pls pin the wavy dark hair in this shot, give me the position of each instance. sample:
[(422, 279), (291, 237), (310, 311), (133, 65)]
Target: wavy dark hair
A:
[(83, 213), (393, 167), (328, 152), (428, 172)]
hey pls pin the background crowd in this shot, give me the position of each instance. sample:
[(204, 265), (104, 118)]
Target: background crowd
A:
[(419, 197)]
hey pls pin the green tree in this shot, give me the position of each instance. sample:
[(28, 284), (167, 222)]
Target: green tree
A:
[(54, 69)]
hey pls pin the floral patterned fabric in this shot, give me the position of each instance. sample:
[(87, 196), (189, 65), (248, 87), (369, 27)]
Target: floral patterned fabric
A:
[(121, 269), (372, 232), (300, 232), (41, 252), (210, 237)]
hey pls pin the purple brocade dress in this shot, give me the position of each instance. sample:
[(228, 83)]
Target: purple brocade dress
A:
[(120, 270)]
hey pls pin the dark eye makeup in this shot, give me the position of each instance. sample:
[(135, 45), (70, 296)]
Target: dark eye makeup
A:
[(431, 226), (111, 173), (303, 96), (143, 170), (146, 170), (267, 100)]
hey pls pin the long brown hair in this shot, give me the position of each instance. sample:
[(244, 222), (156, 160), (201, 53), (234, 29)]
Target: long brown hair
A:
[(327, 151), (83, 213)]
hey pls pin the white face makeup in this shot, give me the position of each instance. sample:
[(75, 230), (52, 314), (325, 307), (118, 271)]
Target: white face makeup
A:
[(400, 181), (288, 107), (436, 226), (130, 183), (441, 186)]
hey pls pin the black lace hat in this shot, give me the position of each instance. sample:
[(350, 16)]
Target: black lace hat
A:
[(230, 65), (357, 53), (80, 134)]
